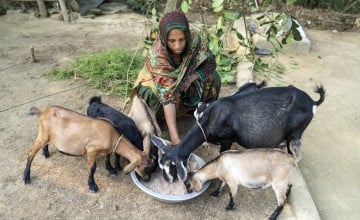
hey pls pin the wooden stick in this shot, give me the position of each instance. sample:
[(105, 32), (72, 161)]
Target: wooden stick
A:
[(42, 8), (32, 50)]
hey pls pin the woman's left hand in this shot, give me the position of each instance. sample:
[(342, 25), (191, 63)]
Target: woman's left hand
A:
[(185, 86)]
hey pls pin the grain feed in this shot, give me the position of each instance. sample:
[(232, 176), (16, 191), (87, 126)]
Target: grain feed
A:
[(159, 185)]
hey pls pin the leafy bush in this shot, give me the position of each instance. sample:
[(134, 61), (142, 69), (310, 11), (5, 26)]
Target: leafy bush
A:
[(112, 71)]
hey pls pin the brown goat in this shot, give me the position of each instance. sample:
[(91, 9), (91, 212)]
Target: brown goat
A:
[(75, 134)]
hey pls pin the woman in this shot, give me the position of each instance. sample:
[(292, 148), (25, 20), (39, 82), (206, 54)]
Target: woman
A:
[(179, 72)]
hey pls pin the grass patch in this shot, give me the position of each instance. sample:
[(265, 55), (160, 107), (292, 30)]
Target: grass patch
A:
[(111, 71)]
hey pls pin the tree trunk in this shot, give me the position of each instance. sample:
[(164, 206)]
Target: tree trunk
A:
[(42, 8), (172, 5)]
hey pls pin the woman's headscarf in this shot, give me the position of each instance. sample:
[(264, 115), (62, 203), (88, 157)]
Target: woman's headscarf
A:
[(174, 20)]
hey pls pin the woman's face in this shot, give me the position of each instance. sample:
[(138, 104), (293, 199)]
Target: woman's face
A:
[(176, 41)]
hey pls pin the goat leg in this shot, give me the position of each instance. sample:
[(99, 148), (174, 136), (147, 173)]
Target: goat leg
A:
[(27, 171), (91, 181), (39, 143), (295, 147), (117, 162), (45, 151), (281, 191), (108, 165), (288, 190), (91, 157), (277, 212), (231, 204), (218, 191)]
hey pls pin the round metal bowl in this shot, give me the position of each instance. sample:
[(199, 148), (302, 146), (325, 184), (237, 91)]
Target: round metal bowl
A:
[(171, 198)]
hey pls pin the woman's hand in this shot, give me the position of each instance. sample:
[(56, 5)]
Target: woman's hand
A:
[(188, 82), (186, 85)]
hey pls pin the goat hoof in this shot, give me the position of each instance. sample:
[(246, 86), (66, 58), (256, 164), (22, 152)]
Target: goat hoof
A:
[(27, 180), (229, 207), (272, 218), (113, 173), (94, 189), (215, 194)]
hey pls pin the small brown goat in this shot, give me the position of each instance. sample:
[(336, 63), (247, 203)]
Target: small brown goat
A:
[(253, 168), (75, 134)]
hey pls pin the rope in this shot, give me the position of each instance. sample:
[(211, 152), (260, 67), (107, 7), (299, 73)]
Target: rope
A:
[(202, 130), (117, 143), (36, 99)]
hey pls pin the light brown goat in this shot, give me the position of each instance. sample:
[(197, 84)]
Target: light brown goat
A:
[(73, 133), (145, 121), (253, 168)]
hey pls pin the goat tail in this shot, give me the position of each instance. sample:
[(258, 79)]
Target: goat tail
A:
[(35, 111), (320, 90), (95, 99)]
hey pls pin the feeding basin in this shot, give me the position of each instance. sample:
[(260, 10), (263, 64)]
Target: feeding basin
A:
[(163, 191)]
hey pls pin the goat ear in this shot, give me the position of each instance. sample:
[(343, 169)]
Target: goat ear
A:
[(130, 167), (192, 163), (159, 142), (181, 170)]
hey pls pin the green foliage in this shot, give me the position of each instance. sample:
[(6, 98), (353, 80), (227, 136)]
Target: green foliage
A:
[(352, 6), (226, 61), (228, 11), (260, 65), (111, 71)]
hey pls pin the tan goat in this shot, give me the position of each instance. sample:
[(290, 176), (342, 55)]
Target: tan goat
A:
[(145, 121), (253, 168), (73, 133)]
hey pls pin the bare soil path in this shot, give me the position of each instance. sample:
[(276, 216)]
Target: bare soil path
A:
[(330, 151)]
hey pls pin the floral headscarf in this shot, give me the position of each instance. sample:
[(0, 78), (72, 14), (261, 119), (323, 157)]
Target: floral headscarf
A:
[(174, 20)]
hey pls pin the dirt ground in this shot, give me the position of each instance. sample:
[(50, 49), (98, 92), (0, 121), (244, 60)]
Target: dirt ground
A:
[(330, 151)]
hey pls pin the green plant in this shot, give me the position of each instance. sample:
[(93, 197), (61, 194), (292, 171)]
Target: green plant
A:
[(229, 11), (112, 71)]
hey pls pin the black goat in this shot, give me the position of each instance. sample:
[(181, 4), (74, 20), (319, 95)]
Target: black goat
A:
[(244, 89), (263, 118), (124, 125)]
